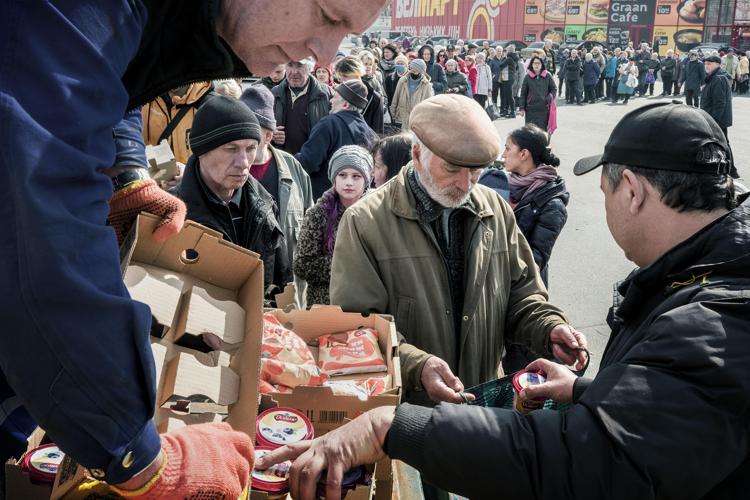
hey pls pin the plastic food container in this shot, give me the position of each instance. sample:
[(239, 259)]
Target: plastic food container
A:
[(281, 426), (350, 481), (524, 379), (275, 479), (42, 463)]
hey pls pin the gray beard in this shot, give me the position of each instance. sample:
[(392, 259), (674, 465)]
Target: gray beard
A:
[(450, 199)]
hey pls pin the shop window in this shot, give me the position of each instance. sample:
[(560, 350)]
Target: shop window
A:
[(742, 14), (726, 14), (717, 34), (712, 12)]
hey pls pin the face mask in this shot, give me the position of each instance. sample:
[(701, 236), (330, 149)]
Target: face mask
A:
[(400, 70), (415, 77)]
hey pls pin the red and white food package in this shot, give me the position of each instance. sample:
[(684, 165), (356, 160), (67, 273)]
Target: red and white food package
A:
[(286, 360), (351, 352), (361, 389)]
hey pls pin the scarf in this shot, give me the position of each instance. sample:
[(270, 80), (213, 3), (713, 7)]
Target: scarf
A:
[(521, 186), (387, 65)]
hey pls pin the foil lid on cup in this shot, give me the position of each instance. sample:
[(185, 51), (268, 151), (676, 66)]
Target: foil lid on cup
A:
[(281, 426)]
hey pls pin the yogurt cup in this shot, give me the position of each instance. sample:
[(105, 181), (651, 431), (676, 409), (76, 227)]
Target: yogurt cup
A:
[(521, 380), (42, 463), (281, 426), (275, 479)]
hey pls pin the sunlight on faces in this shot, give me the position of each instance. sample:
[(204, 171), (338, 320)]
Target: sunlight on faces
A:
[(266, 33), (449, 185), (349, 184), (297, 74), (228, 166)]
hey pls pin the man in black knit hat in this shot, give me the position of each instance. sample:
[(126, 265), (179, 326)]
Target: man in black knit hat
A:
[(345, 125), (220, 192)]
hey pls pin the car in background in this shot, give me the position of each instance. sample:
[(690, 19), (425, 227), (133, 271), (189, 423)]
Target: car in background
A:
[(721, 48), (586, 44), (442, 40), (533, 47), (519, 45)]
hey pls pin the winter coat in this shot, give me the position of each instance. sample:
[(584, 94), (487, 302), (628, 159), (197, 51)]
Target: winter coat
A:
[(622, 88), (495, 67), (509, 63), (665, 417), (535, 97), (387, 260), (374, 112), (403, 103), (573, 69), (730, 64), (591, 72), (695, 75), (472, 77), (600, 61), (653, 66), (312, 262), (268, 83), (318, 105), (716, 98), (610, 71), (668, 68), (484, 80), (678, 72), (458, 81), (261, 231), (436, 72), (549, 61), (333, 131), (541, 216), (294, 199), (157, 115)]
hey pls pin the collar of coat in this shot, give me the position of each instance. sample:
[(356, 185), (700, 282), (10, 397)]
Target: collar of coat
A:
[(404, 202)]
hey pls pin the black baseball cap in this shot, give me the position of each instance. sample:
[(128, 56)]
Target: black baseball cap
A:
[(662, 136)]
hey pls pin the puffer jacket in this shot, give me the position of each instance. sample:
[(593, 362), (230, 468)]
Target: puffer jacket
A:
[(403, 103), (388, 260), (457, 81), (436, 72), (666, 417), (484, 80), (590, 72), (158, 113), (312, 261), (541, 216)]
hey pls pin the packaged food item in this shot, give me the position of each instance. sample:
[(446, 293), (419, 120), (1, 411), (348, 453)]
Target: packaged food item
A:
[(351, 352), (352, 478), (285, 358), (42, 463), (524, 379), (362, 389), (280, 426), (275, 479)]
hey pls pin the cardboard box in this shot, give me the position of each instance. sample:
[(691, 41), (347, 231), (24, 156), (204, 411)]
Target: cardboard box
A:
[(325, 410), (161, 162)]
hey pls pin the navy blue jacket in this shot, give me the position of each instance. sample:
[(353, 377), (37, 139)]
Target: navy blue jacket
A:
[(74, 347), (591, 72), (332, 132), (541, 216), (695, 75)]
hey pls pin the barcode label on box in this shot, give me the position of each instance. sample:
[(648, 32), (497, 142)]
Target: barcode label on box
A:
[(331, 417)]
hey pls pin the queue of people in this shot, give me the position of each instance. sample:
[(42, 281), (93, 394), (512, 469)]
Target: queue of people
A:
[(294, 170)]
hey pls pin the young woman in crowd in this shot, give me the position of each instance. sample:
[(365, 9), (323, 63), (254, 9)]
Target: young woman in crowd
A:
[(373, 77), (442, 57), (537, 193), (537, 90), (324, 74), (628, 81), (387, 65), (471, 69), (457, 82), (350, 172), (390, 154), (484, 80), (410, 91)]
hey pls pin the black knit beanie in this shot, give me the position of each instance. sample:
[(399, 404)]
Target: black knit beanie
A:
[(221, 120)]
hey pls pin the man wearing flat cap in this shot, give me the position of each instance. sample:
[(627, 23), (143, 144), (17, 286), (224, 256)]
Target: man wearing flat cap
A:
[(444, 256), (716, 96), (667, 414), (344, 126)]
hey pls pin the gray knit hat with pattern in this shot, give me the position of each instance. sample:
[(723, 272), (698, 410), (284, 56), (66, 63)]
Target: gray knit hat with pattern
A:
[(351, 156)]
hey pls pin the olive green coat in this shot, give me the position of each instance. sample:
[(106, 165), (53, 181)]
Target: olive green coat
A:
[(385, 262)]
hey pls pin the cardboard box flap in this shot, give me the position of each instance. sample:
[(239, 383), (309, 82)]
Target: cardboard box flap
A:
[(215, 311), (160, 289), (190, 380), (322, 320)]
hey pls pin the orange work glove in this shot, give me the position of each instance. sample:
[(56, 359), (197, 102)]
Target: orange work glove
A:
[(200, 461), (146, 196)]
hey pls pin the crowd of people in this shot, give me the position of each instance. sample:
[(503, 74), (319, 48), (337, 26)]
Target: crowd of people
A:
[(345, 180)]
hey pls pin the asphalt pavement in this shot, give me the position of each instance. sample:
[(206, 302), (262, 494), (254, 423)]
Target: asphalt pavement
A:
[(586, 261)]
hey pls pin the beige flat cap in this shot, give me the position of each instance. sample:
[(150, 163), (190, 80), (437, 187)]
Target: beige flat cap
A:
[(457, 129)]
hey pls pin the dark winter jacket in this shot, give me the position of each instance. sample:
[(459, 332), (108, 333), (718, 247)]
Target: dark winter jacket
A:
[(535, 97), (668, 68), (510, 62), (375, 111), (573, 69), (495, 67), (318, 105), (260, 230), (268, 83), (665, 418), (678, 72), (434, 70), (695, 75), (591, 72), (312, 262), (716, 98), (332, 132), (653, 66), (541, 216), (458, 81)]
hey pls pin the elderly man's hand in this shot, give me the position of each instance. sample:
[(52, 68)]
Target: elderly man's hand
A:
[(568, 345), (440, 382), (559, 384), (279, 136), (356, 443)]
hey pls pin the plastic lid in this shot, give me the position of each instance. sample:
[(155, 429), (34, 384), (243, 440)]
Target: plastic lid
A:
[(42, 463), (275, 479), (525, 378), (281, 426)]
